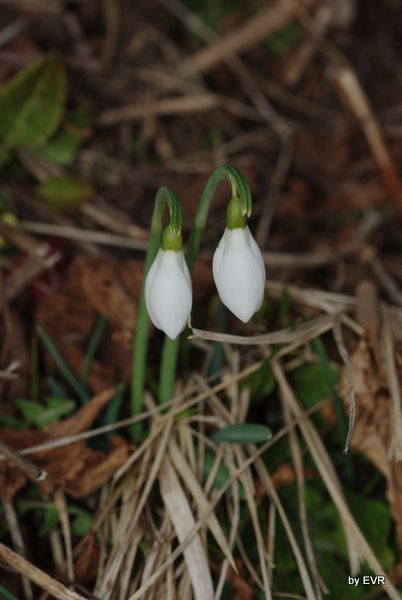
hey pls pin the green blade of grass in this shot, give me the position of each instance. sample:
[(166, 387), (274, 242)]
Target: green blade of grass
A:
[(5, 594), (63, 366), (95, 338), (111, 412)]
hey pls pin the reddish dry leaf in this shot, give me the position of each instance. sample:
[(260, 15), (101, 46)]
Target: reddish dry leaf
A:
[(112, 289), (94, 286), (86, 560), (241, 590), (83, 418), (98, 468)]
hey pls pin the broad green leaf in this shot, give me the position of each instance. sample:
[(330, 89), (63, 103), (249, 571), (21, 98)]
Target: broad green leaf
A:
[(65, 192), (373, 516), (31, 410), (51, 518), (313, 382), (32, 104), (62, 149), (243, 433), (41, 415), (64, 145), (56, 408), (82, 521)]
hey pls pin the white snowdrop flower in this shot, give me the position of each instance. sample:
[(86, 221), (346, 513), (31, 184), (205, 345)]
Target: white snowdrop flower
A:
[(239, 272), (168, 293)]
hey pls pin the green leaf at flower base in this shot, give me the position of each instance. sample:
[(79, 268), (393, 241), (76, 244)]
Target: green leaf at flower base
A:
[(65, 192), (32, 104), (243, 433)]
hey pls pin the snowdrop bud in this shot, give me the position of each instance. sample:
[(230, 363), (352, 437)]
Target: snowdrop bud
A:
[(168, 293), (239, 272)]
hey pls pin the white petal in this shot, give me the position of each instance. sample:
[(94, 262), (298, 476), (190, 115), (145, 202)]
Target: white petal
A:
[(168, 293), (239, 273), (148, 283)]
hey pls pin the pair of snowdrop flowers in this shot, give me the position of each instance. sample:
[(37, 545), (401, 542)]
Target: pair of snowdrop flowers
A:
[(238, 270)]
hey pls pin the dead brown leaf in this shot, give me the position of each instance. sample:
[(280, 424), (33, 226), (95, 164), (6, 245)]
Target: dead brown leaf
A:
[(92, 287), (372, 430), (76, 468), (241, 590), (86, 560)]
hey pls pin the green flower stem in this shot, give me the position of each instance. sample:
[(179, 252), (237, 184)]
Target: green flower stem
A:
[(241, 190), (164, 197)]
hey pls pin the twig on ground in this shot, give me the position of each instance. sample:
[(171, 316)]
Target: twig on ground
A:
[(36, 575), (33, 473)]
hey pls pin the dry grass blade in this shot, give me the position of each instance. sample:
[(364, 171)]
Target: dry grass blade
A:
[(351, 388), (245, 37), (360, 549), (62, 509), (125, 540), (300, 479), (170, 106), (184, 470), (234, 475), (183, 521), (304, 332), (56, 589), (235, 520), (253, 510), (23, 276), (395, 449), (179, 399), (352, 92), (270, 490), (102, 238), (18, 542)]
